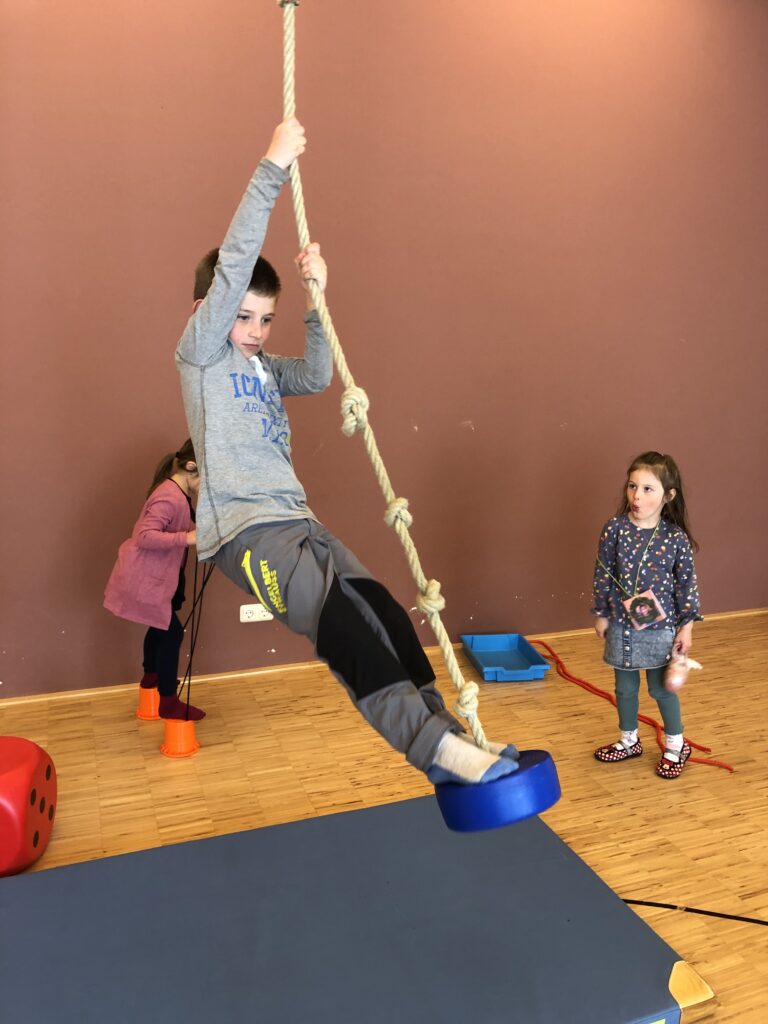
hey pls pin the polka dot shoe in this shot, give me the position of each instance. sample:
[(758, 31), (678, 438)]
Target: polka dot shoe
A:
[(619, 751), (670, 769)]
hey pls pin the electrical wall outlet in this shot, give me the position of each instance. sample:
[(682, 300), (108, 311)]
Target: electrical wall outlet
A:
[(254, 613)]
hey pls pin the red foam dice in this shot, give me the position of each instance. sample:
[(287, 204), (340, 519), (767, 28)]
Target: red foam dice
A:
[(27, 803)]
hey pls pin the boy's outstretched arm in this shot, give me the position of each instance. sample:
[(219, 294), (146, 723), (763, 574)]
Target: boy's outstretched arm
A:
[(207, 331)]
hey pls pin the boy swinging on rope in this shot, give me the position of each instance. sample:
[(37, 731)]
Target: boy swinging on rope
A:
[(253, 521)]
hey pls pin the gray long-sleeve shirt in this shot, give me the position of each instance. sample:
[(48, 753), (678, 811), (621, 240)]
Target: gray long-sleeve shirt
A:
[(237, 420)]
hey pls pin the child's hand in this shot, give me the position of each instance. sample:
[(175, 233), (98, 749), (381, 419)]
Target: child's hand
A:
[(192, 538), (288, 143), (312, 267), (683, 639), (601, 626)]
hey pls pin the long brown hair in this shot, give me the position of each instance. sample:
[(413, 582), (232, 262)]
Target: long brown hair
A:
[(173, 462), (664, 468)]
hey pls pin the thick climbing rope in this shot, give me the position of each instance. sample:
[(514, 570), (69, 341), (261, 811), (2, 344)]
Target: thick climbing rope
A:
[(354, 411)]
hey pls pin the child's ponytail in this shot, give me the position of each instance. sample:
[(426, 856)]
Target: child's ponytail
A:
[(172, 463)]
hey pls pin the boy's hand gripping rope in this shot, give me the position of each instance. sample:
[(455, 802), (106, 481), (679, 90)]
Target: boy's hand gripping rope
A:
[(354, 410)]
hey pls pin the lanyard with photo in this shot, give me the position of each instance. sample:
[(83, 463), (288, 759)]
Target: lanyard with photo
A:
[(643, 609)]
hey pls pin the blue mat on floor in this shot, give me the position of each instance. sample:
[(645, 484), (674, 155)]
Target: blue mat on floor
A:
[(381, 916)]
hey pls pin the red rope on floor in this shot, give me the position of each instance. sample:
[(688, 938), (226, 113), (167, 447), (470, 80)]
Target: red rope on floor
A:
[(591, 688)]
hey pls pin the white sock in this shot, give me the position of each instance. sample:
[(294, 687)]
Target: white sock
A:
[(499, 749), (464, 762), (628, 739), (673, 745)]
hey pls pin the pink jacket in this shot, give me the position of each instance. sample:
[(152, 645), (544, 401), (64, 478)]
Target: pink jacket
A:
[(146, 573)]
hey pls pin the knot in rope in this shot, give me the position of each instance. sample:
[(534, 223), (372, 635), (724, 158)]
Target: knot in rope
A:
[(398, 509), (467, 701), (430, 600), (354, 408)]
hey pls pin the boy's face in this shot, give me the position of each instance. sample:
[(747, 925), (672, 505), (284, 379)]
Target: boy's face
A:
[(253, 323)]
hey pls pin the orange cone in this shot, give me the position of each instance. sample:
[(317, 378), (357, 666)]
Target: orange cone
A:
[(179, 738), (149, 704)]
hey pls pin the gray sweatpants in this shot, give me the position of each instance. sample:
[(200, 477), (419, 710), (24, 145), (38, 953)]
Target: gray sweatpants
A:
[(314, 585)]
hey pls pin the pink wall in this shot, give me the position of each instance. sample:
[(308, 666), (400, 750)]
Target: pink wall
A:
[(547, 231)]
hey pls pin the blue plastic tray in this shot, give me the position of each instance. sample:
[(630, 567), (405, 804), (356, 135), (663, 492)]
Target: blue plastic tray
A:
[(504, 657)]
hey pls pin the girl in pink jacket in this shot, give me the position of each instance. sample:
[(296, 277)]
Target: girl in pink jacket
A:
[(147, 582)]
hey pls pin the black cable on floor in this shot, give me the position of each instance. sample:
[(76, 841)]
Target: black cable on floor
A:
[(694, 910)]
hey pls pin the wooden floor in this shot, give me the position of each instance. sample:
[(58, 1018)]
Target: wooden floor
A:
[(282, 745)]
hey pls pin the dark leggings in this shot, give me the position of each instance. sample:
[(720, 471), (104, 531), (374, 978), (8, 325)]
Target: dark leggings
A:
[(161, 655), (627, 699)]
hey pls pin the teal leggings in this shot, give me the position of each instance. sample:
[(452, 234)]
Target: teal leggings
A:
[(627, 699)]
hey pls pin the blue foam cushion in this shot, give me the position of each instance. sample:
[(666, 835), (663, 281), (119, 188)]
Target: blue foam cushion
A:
[(527, 792)]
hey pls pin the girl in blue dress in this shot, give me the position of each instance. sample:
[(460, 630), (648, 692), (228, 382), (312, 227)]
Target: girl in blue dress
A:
[(646, 599)]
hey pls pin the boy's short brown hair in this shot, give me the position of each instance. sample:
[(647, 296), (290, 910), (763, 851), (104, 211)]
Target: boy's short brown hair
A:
[(264, 280)]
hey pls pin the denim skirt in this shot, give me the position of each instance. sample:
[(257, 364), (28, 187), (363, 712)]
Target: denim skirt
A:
[(629, 648)]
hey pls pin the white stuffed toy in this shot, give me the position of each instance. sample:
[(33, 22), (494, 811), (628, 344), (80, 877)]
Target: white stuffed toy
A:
[(677, 671)]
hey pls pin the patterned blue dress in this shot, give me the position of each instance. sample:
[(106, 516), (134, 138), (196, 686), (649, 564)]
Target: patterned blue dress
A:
[(667, 569)]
